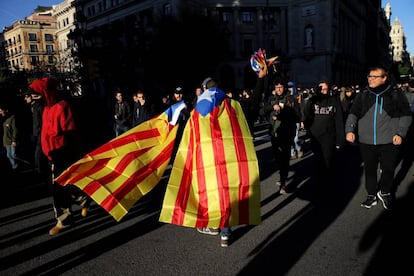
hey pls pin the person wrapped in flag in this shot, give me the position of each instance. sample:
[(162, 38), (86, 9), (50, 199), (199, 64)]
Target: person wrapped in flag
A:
[(215, 177), (214, 182)]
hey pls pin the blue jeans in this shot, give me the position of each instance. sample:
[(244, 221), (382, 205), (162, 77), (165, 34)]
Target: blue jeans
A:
[(296, 147), (11, 155), (120, 129), (225, 231)]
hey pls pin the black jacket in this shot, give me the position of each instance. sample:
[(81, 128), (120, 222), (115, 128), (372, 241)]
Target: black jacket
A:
[(323, 118)]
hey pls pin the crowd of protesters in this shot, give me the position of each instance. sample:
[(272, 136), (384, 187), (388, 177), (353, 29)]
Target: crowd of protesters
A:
[(27, 150), (326, 112)]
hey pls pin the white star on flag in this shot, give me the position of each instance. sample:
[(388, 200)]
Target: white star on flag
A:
[(208, 100)]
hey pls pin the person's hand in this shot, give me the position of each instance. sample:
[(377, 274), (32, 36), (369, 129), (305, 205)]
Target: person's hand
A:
[(397, 140), (13, 144), (350, 137), (263, 72), (276, 108)]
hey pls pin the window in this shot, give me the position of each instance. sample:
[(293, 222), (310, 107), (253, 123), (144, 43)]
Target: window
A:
[(49, 49), (33, 48), (91, 10), (32, 37), (247, 17), (34, 60), (50, 59), (167, 10), (48, 37), (225, 17)]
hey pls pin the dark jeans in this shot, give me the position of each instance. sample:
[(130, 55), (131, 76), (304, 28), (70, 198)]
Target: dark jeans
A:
[(65, 196), (119, 129), (324, 149), (281, 150), (386, 157), (40, 160)]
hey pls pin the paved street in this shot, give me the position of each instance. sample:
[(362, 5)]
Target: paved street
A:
[(298, 235)]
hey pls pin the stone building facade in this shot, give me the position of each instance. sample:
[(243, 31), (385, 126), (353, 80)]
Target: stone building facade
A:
[(30, 43), (336, 40)]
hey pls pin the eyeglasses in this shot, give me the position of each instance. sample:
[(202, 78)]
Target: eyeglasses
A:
[(374, 77)]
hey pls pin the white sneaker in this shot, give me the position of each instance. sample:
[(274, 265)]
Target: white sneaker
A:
[(209, 231), (224, 240)]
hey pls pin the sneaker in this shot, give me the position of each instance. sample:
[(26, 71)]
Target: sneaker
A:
[(282, 190), (369, 202), (84, 211), (57, 228), (386, 200), (224, 240), (209, 231)]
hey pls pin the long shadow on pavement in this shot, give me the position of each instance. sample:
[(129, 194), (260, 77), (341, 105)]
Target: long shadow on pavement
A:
[(288, 242)]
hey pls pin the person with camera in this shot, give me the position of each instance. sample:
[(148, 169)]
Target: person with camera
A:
[(283, 112)]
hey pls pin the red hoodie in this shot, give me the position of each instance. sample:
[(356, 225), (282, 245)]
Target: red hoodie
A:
[(57, 119)]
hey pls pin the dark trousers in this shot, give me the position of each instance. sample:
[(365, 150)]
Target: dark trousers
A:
[(64, 196), (40, 160), (386, 157), (323, 149), (281, 151)]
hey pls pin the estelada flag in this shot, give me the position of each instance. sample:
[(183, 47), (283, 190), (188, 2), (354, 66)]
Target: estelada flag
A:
[(214, 180), (117, 174), (259, 60)]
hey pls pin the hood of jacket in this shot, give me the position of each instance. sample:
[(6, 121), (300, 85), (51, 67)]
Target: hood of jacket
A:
[(47, 88), (294, 90)]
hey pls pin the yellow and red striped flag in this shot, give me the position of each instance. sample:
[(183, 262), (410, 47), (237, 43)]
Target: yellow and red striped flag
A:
[(214, 181), (117, 174)]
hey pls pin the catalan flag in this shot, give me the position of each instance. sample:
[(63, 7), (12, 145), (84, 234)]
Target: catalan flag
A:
[(214, 180), (259, 60), (120, 172)]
